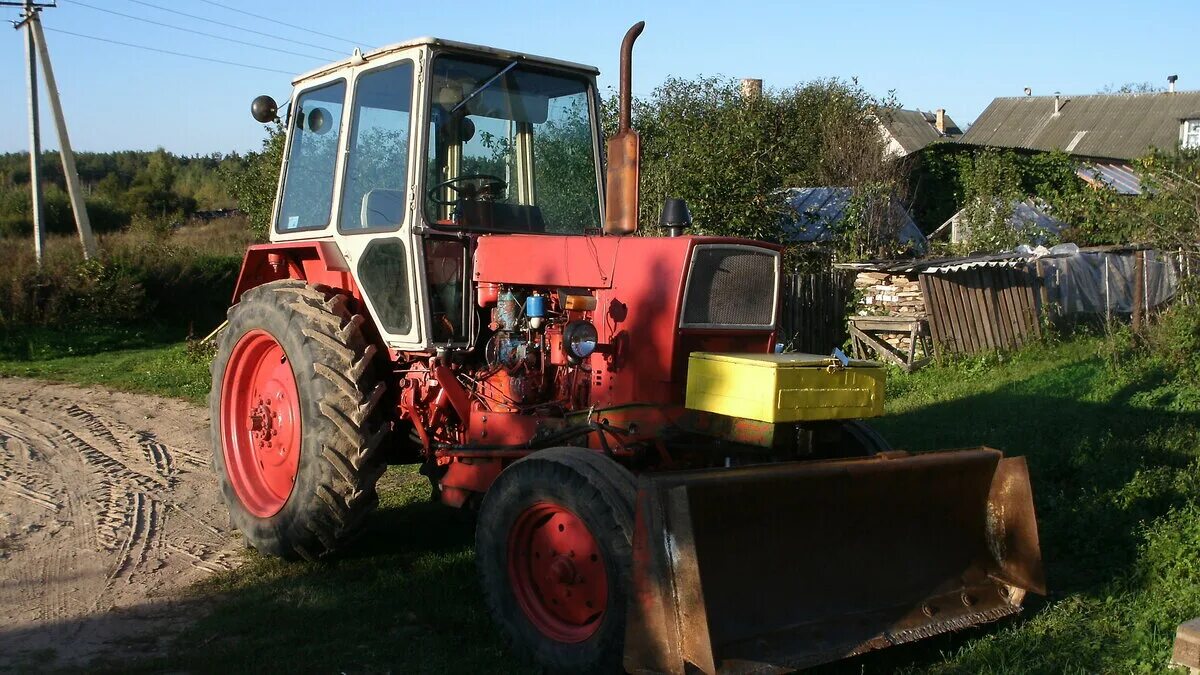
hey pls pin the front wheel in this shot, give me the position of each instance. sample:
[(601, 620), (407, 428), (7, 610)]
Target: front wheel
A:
[(553, 546)]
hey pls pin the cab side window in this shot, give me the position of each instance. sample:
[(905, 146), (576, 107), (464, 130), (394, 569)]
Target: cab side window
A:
[(308, 190), (374, 195)]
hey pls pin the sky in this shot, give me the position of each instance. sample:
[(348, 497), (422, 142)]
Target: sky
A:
[(957, 56)]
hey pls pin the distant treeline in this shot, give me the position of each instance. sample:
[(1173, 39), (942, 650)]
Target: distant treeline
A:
[(119, 186)]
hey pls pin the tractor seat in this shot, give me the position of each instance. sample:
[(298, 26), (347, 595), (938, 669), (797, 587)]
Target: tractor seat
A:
[(382, 208), (500, 216)]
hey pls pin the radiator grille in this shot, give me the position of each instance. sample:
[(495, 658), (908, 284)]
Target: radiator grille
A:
[(731, 286)]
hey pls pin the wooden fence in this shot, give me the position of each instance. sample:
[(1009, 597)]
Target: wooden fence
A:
[(981, 309), (815, 306)]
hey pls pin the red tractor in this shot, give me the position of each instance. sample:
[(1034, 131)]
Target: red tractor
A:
[(451, 282)]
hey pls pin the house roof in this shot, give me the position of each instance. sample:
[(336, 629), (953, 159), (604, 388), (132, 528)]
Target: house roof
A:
[(1113, 126), (818, 209), (914, 129)]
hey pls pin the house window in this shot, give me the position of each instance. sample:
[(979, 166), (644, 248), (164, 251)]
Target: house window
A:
[(1191, 134)]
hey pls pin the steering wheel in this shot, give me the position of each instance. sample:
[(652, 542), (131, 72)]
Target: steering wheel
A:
[(488, 184)]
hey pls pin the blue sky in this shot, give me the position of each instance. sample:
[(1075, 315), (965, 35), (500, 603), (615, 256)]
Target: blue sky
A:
[(933, 54)]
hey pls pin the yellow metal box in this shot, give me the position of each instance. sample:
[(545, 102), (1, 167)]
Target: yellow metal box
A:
[(784, 387)]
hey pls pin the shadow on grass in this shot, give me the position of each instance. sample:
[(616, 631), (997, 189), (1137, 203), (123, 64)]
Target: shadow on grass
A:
[(403, 598), (26, 343)]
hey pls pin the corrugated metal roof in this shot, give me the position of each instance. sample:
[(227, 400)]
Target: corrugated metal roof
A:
[(818, 209), (914, 129), (1113, 126), (1115, 175), (1030, 213), (1010, 259)]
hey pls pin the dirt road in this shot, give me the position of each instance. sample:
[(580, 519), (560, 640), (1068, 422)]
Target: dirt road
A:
[(107, 509)]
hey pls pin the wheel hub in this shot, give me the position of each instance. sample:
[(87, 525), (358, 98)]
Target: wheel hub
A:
[(260, 423), (557, 572)]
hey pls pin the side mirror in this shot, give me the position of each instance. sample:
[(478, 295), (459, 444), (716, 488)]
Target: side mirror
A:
[(264, 109), (319, 121)]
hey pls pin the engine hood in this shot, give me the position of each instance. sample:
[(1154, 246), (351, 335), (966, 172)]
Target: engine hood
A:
[(586, 261)]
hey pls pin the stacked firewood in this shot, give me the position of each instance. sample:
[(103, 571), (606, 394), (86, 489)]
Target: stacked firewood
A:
[(885, 294), (889, 294)]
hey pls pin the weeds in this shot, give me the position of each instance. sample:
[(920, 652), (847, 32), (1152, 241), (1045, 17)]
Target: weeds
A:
[(149, 272)]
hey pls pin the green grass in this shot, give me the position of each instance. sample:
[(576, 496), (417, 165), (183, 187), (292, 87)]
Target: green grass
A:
[(1114, 454), (119, 358)]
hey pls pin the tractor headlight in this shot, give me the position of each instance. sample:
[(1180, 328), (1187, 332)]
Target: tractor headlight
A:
[(579, 339)]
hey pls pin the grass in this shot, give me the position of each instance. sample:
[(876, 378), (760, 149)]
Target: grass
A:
[(127, 359), (1113, 445)]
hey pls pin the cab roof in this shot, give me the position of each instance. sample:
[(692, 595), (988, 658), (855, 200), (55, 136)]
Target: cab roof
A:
[(359, 59)]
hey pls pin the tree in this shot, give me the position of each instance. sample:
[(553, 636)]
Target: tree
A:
[(732, 157), (254, 180)]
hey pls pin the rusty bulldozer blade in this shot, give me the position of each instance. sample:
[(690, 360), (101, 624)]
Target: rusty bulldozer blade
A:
[(777, 567)]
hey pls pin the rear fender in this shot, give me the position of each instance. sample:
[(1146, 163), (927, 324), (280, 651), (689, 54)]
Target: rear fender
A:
[(317, 262)]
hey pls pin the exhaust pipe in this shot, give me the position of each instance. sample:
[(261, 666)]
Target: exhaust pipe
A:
[(626, 91), (624, 152)]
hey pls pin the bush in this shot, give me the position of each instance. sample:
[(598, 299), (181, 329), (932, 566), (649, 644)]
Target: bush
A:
[(147, 274)]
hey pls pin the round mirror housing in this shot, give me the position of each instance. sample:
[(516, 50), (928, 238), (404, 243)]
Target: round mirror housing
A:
[(264, 109), (319, 121)]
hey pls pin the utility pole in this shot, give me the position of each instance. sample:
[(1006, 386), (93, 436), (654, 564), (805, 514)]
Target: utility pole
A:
[(35, 42), (83, 224), (35, 141)]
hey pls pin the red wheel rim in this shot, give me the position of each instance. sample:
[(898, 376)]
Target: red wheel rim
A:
[(260, 423), (557, 572)]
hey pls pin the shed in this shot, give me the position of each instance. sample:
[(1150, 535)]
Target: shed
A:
[(1028, 216), (816, 212)]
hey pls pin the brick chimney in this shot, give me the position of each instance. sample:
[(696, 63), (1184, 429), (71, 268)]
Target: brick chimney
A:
[(751, 89), (940, 123)]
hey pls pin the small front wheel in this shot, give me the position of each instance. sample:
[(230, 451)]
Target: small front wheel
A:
[(553, 545)]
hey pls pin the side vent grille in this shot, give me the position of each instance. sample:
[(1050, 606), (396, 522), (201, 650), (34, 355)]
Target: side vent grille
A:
[(731, 287)]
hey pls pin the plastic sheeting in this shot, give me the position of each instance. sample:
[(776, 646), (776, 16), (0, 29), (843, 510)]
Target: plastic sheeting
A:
[(1104, 282)]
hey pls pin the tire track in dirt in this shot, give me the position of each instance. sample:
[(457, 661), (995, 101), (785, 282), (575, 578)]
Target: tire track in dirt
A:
[(157, 453), (107, 501)]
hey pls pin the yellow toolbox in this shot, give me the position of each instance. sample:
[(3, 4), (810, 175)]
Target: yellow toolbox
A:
[(784, 387)]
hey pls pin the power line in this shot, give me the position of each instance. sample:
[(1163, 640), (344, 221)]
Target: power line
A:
[(281, 23), (197, 32), (245, 30), (167, 51)]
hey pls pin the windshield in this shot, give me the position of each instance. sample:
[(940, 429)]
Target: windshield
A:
[(511, 149)]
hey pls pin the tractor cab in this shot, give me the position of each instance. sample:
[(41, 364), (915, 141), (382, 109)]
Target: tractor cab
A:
[(405, 155)]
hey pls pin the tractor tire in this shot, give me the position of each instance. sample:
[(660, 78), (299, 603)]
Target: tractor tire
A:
[(295, 430), (845, 439), (865, 438), (553, 546)]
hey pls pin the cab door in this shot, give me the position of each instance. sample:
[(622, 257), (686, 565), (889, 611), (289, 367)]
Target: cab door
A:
[(377, 201)]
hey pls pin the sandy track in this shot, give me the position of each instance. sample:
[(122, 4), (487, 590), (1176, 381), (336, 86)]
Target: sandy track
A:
[(107, 508)]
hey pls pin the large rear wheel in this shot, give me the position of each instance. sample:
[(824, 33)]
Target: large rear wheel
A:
[(295, 438), (553, 545)]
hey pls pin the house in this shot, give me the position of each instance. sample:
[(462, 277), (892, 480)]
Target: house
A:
[(1105, 131), (908, 131), (818, 210)]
